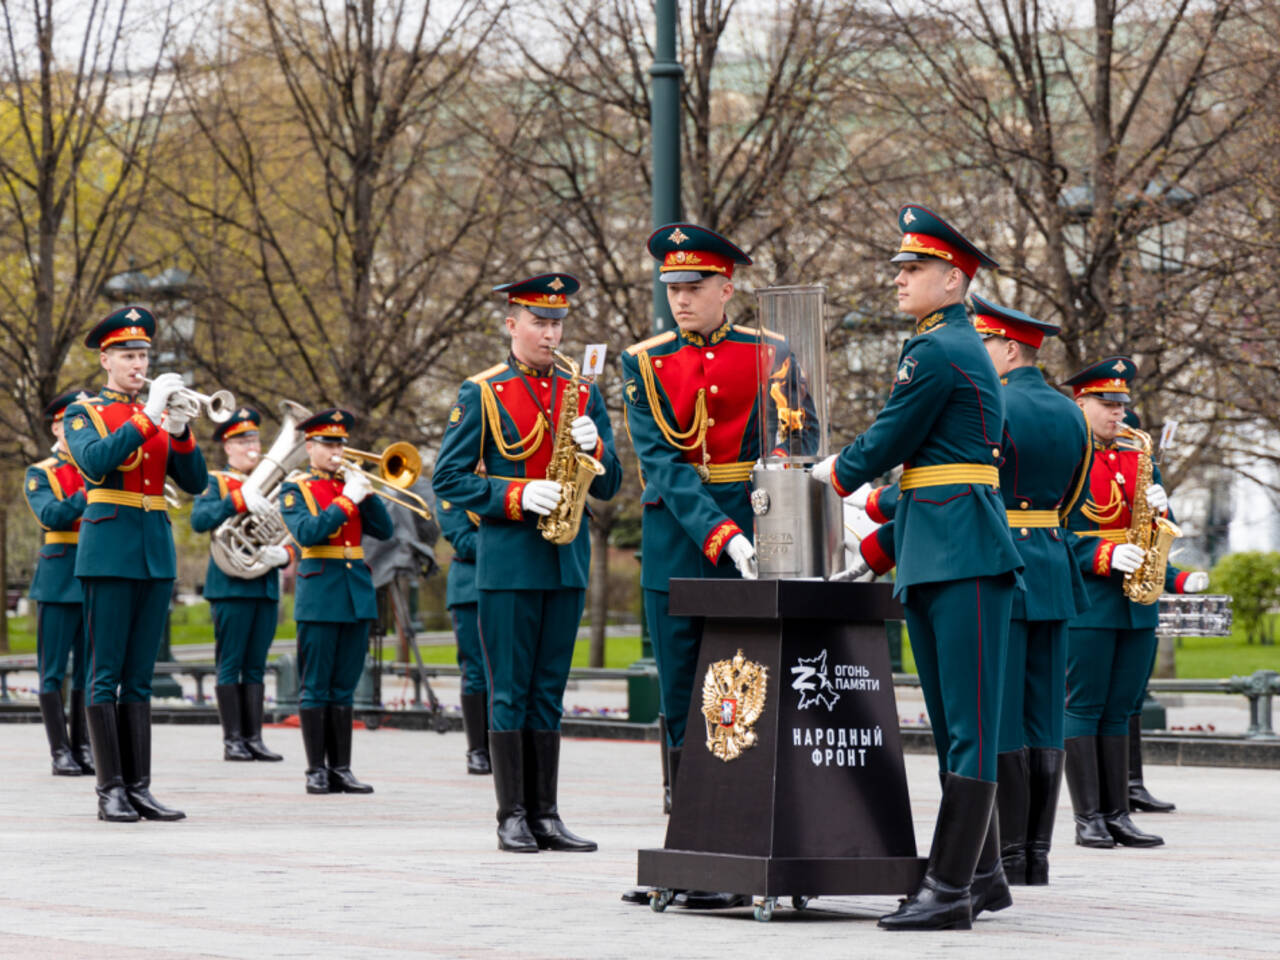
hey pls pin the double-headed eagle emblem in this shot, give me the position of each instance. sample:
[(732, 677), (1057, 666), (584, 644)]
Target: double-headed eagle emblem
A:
[(733, 699)]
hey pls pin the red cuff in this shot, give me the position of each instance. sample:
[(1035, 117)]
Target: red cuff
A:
[(721, 535), (292, 551), (879, 561), (1102, 558), (873, 505), (144, 425), (1180, 581), (599, 453), (512, 499), (237, 499), (346, 505), (185, 445), (836, 485)]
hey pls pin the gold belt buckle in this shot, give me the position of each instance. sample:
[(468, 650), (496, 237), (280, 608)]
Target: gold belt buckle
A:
[(146, 501), (346, 552)]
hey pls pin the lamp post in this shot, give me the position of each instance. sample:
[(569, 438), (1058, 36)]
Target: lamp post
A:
[(171, 286)]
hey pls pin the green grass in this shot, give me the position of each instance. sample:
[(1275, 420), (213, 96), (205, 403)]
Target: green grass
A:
[(1196, 657)]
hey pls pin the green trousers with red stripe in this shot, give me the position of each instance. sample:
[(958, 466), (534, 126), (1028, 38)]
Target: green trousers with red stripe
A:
[(958, 631), (59, 637)]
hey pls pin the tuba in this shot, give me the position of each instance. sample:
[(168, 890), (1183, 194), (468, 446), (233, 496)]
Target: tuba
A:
[(238, 542), (569, 467), (1153, 534)]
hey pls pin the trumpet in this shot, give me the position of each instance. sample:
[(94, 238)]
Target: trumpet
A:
[(217, 406), (399, 467)]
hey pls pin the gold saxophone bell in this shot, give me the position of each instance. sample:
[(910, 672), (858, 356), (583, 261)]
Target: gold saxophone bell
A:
[(399, 467)]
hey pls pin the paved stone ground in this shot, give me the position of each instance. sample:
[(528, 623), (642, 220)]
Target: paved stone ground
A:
[(261, 870)]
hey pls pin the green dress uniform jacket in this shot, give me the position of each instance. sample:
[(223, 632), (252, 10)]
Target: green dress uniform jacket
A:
[(462, 529), (125, 531), (219, 503), (503, 418), (945, 409), (55, 493), (334, 582)]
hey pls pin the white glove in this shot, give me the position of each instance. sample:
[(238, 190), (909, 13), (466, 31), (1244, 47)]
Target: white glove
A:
[(540, 496), (174, 423), (256, 502), (1127, 557), (1196, 582), (859, 570), (1157, 499), (275, 556), (860, 496), (357, 485), (162, 388), (823, 470), (743, 555), (584, 433)]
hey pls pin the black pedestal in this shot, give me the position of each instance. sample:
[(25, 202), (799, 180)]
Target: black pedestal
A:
[(815, 800)]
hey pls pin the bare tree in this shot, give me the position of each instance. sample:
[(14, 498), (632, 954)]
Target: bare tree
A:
[(78, 131)]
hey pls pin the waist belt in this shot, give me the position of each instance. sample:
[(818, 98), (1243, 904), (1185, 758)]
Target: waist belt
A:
[(127, 498), (1033, 518), (62, 536), (333, 553), (946, 473), (1115, 536), (729, 472)]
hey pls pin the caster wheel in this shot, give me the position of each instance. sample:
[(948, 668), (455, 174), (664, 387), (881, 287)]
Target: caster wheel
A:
[(441, 722), (660, 898), (371, 721), (800, 902), (764, 908)]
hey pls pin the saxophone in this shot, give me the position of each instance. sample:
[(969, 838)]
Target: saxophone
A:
[(569, 467), (1153, 534)]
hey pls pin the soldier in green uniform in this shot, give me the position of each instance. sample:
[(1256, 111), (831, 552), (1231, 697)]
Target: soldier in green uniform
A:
[(126, 561), (328, 509), (692, 406), (1047, 453), (245, 611), (531, 591), (461, 528), (957, 564), (55, 493), (1111, 645)]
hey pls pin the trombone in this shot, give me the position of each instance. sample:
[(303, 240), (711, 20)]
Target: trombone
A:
[(399, 467), (217, 406)]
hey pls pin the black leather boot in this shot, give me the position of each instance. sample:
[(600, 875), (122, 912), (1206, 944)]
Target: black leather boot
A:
[(1114, 761), (55, 728), (541, 785), (1083, 784), (943, 900), (1044, 781), (228, 697), (337, 746), (80, 748), (506, 753), (104, 736), (1139, 797), (475, 724), (990, 888), (1012, 798), (251, 695), (311, 720), (135, 757)]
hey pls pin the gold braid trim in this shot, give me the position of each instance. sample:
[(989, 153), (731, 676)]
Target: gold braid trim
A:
[(697, 430), (1109, 512), (1086, 468), (529, 443)]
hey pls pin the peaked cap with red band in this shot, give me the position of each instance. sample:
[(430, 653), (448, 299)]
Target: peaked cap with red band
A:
[(245, 420), (546, 295), (331, 424), (926, 236), (991, 320), (58, 405), (129, 327), (689, 253), (1107, 379)]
